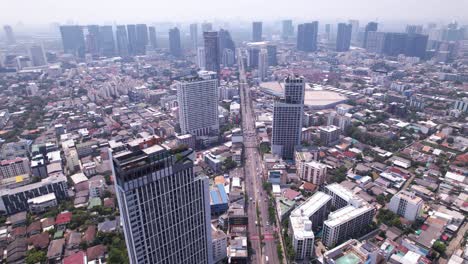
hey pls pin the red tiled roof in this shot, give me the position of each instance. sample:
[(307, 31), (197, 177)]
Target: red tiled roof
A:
[(349, 154), (63, 218), (291, 194), (76, 258), (90, 233), (96, 252), (40, 241), (309, 186)]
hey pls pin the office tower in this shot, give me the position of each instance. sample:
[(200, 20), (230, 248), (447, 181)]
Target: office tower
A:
[(288, 29), (262, 64), (354, 29), (152, 37), (370, 27), (416, 45), (194, 35), (164, 206), (37, 55), (228, 58), (107, 42), (306, 218), (196, 118), (256, 31), (414, 29), (328, 31), (141, 39), (73, 40), (225, 43), (287, 118), (253, 53), (93, 40), (343, 37), (375, 41), (122, 40), (10, 37), (201, 58), (347, 222), (174, 42), (395, 43), (132, 39), (211, 51), (406, 204), (314, 172), (307, 36), (272, 60), (206, 27)]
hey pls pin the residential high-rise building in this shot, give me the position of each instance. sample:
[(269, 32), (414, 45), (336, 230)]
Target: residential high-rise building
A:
[(370, 27), (253, 53), (343, 37), (287, 118), (194, 35), (375, 41), (141, 39), (341, 197), (347, 222), (395, 43), (314, 172), (414, 29), (10, 37), (206, 27), (306, 218), (201, 57), (14, 167), (407, 205), (152, 37), (132, 39), (272, 59), (122, 40), (256, 31), (354, 30), (228, 58), (328, 28), (73, 40), (199, 119), (37, 55), (307, 36), (262, 64), (93, 40), (416, 45), (174, 42), (164, 206), (225, 43), (287, 29), (211, 40), (329, 135), (107, 43)]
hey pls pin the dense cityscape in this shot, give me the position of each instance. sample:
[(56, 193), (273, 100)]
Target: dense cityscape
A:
[(285, 141)]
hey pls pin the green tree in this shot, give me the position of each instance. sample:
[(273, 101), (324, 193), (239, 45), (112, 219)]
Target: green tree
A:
[(439, 247), (35, 256)]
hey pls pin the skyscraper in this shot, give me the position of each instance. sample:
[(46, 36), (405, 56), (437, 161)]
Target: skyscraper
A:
[(414, 29), (107, 42), (307, 36), (37, 55), (132, 39), (262, 64), (375, 41), (287, 118), (93, 40), (211, 51), (73, 40), (196, 118), (416, 45), (225, 43), (343, 37), (141, 39), (10, 37), (194, 35), (201, 57), (287, 29), (164, 207), (256, 31), (370, 27), (152, 37), (174, 42), (206, 27), (354, 30), (395, 43), (272, 60), (122, 40)]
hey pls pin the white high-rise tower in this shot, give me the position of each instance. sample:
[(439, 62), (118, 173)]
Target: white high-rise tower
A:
[(262, 64)]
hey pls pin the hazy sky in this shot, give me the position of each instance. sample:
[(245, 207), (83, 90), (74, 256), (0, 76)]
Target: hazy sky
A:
[(134, 11)]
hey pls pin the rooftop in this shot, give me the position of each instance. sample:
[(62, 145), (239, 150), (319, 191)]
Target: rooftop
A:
[(346, 213)]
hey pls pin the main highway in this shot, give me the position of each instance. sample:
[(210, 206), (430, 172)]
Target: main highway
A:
[(260, 229)]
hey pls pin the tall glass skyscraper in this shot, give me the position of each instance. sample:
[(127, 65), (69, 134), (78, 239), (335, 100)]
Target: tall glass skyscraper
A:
[(165, 208), (307, 36), (122, 40), (107, 43), (174, 42), (256, 31), (212, 54), (287, 118), (73, 40), (343, 37)]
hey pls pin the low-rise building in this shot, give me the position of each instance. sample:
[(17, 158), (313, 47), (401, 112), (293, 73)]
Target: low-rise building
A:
[(407, 205)]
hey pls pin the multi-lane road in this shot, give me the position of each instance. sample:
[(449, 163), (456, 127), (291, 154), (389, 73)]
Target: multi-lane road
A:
[(261, 231)]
